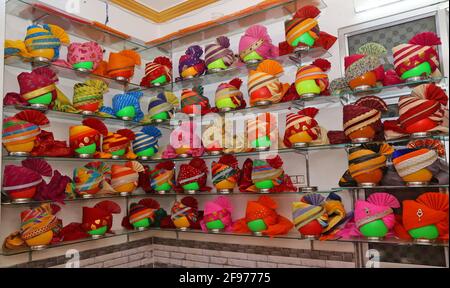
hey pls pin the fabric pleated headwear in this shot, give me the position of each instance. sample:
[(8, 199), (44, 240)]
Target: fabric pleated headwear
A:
[(125, 174), (367, 59), (192, 59), (365, 159), (302, 121), (377, 206), (163, 102), (364, 112), (408, 161), (225, 169), (308, 209), (41, 41), (231, 90), (160, 66), (263, 125), (303, 22), (264, 209), (119, 140), (144, 209), (39, 220), (218, 209), (428, 209), (146, 138), (418, 50), (88, 93), (262, 170), (186, 207), (266, 76), (36, 83), (127, 99), (426, 102), (194, 96), (99, 216), (22, 128), (122, 63), (88, 133), (256, 39), (315, 71), (89, 179), (219, 50), (195, 171), (184, 136), (162, 173), (85, 52)]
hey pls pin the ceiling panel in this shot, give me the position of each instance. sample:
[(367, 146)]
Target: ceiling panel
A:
[(160, 5)]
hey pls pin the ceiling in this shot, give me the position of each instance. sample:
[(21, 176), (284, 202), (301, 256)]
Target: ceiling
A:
[(160, 11)]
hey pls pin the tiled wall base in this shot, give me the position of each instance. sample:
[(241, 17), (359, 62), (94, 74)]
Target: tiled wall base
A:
[(189, 253), (161, 252)]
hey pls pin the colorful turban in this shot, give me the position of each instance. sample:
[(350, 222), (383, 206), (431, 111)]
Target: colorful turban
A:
[(263, 83), (89, 180), (184, 137), (420, 49), (305, 212), (124, 178), (21, 182), (432, 144), (265, 170), (425, 110), (192, 98), (373, 217), (128, 100), (39, 225), (159, 69), (230, 91), (21, 130), (367, 60), (145, 139), (114, 142), (163, 173), (260, 216), (301, 122), (194, 172), (38, 86), (366, 112), (213, 137), (41, 41), (219, 51), (426, 217), (122, 64), (303, 22), (185, 213), (225, 172), (217, 214), (143, 213), (257, 41), (191, 60), (99, 218), (316, 72), (79, 53), (366, 160), (88, 96), (87, 134), (263, 126), (409, 161)]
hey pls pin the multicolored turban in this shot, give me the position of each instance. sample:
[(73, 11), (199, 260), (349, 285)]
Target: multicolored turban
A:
[(120, 140), (185, 213), (126, 100), (163, 172), (195, 171), (41, 41), (420, 49), (125, 178), (263, 126), (145, 139), (87, 134), (315, 71), (409, 161), (230, 91), (192, 60), (225, 172), (159, 69), (260, 216), (219, 51), (88, 96), (257, 41), (184, 136), (90, 179), (39, 225), (264, 84), (163, 102), (302, 121), (191, 99), (425, 110), (142, 214)]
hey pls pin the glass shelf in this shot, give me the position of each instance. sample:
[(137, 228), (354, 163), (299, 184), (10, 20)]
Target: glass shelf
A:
[(76, 117), (38, 13), (291, 235), (442, 188), (72, 74), (442, 137), (7, 202), (240, 69), (386, 92), (236, 23)]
